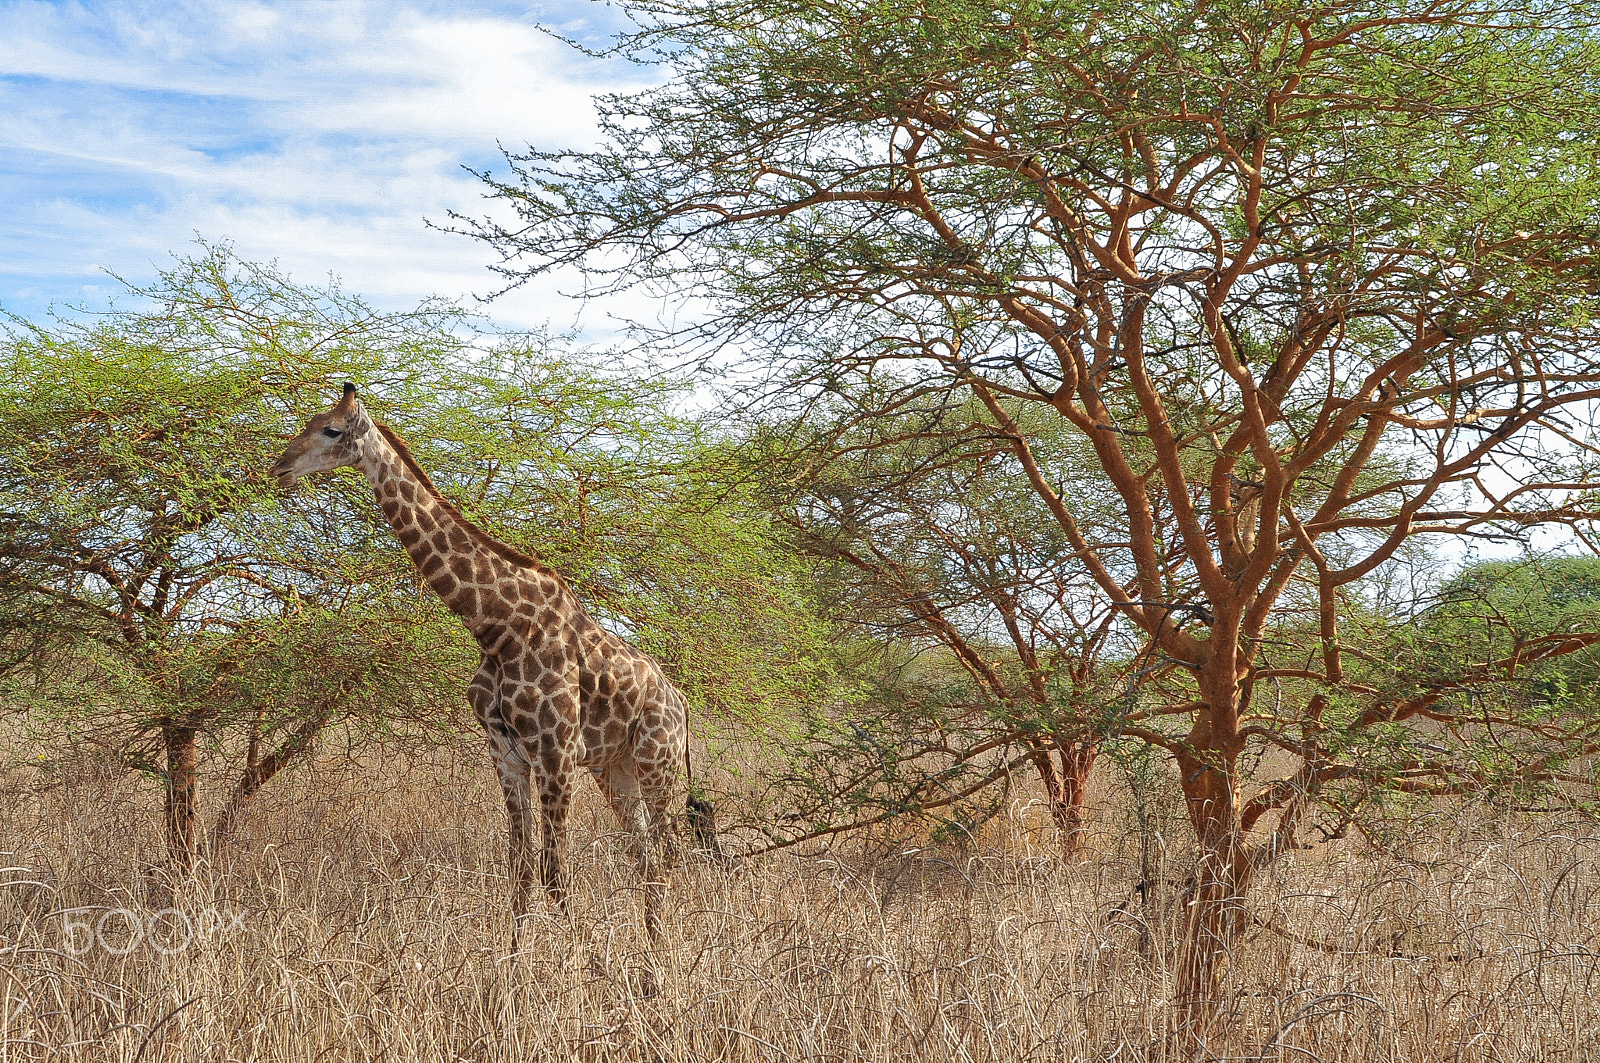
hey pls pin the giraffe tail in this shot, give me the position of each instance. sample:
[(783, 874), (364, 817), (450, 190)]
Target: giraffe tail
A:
[(702, 816)]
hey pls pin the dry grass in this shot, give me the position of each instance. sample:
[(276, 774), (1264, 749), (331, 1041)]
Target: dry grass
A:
[(371, 926)]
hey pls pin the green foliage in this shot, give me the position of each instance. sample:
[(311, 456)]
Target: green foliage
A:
[(1455, 128), (155, 582), (1494, 610), (1510, 600), (1221, 312), (141, 534), (598, 474), (971, 640), (1485, 688)]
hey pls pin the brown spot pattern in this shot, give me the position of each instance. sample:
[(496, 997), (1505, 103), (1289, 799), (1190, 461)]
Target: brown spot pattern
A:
[(554, 692)]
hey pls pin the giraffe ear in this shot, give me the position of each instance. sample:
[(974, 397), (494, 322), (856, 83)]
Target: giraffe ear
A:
[(355, 417)]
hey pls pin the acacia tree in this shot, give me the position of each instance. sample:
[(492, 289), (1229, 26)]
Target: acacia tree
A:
[(603, 479), (156, 597), (1311, 282), (1501, 659), (936, 549), (159, 593)]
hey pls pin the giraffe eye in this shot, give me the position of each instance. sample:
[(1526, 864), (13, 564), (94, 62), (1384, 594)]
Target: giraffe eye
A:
[(332, 433)]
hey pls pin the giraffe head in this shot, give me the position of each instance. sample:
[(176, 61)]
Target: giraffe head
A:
[(329, 441)]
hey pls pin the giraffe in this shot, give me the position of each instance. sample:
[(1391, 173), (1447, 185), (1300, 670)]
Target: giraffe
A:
[(554, 691)]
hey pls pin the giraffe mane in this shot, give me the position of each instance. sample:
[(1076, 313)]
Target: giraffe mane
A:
[(482, 537)]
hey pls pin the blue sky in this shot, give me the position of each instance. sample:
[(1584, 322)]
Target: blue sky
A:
[(320, 134)]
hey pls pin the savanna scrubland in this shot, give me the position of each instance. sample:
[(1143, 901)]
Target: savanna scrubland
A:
[(365, 918), (1120, 506)]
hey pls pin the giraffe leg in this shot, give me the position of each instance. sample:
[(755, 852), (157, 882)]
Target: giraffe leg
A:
[(513, 770), (655, 776), (511, 765), (554, 776), (662, 844), (621, 790), (621, 787)]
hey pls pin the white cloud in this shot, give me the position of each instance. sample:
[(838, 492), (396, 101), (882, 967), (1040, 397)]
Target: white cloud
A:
[(487, 80), (317, 134)]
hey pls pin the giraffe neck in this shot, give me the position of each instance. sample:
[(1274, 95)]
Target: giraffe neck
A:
[(461, 562)]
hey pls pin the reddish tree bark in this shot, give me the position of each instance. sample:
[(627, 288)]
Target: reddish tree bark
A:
[(1077, 761), (1066, 783), (1287, 351), (259, 771), (182, 789)]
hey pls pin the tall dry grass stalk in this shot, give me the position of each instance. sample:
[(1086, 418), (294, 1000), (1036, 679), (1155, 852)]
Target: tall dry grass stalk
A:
[(360, 915)]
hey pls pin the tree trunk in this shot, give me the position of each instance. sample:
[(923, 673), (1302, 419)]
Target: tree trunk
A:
[(1065, 785), (1214, 908), (1215, 917), (258, 772), (1077, 760), (182, 761)]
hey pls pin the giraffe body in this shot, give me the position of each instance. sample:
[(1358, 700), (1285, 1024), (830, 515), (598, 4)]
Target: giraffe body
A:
[(555, 692)]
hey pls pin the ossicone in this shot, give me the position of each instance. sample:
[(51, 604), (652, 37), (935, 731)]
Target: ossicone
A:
[(349, 390)]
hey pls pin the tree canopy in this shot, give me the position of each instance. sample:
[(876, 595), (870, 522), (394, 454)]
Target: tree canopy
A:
[(1313, 285), (161, 596)]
